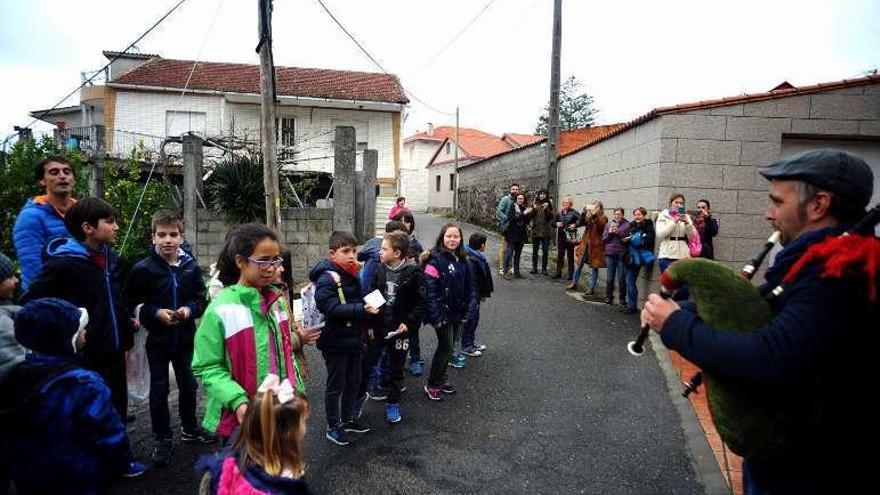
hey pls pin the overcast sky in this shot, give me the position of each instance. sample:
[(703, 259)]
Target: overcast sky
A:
[(632, 56)]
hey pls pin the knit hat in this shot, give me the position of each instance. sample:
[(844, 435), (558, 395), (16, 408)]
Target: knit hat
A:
[(48, 326), (6, 270)]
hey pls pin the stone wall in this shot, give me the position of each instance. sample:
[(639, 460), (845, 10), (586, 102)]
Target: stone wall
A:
[(305, 231), (481, 185)]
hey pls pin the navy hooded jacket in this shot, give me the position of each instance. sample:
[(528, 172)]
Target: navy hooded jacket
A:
[(451, 289), (343, 322), (157, 285), (368, 254), (71, 274)]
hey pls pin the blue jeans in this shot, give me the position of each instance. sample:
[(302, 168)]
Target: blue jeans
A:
[(632, 291), (469, 332), (160, 417), (616, 271), (681, 294), (594, 273), (514, 251), (544, 244)]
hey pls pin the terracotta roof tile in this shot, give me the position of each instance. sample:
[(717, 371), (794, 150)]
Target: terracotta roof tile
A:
[(245, 78), (518, 140), (781, 91)]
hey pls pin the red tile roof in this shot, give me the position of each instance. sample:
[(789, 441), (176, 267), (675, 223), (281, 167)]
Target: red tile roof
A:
[(245, 78), (438, 134), (574, 138), (781, 91), (518, 140)]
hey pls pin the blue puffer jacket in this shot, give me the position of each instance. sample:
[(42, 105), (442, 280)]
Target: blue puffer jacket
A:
[(343, 323), (72, 274), (158, 285), (37, 224), (451, 289), (65, 437), (369, 256)]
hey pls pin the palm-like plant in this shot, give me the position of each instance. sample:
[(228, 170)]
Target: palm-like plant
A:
[(236, 190)]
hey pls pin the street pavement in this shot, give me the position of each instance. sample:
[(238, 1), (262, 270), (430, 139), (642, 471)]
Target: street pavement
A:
[(555, 405)]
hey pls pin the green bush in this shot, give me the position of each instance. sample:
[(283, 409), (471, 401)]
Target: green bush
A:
[(235, 189)]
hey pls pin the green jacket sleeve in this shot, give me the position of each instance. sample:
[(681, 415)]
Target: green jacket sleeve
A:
[(212, 367)]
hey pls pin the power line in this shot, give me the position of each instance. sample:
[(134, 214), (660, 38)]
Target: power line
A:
[(117, 56), (454, 38), (364, 50)]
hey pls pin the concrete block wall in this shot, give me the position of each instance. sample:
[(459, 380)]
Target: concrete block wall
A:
[(305, 231), (483, 184)]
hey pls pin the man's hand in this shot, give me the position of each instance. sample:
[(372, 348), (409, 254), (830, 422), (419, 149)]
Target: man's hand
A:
[(166, 317), (183, 313), (371, 310), (402, 328), (657, 310)]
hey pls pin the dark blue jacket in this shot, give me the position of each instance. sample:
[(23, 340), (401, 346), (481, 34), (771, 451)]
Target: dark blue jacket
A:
[(482, 273), (343, 322), (37, 224), (71, 274), (65, 436), (158, 285), (369, 256), (451, 289), (816, 353), (409, 302)]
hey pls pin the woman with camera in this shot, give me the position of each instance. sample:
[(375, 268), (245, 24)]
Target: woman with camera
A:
[(675, 229), (591, 250)]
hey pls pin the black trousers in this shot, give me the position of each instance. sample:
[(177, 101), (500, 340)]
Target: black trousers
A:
[(112, 369), (396, 348), (160, 416), (343, 380)]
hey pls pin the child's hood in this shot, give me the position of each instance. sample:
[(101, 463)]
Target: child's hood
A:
[(66, 246), (473, 252)]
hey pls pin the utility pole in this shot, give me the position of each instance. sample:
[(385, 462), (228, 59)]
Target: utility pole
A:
[(553, 124), (267, 114), (455, 168)]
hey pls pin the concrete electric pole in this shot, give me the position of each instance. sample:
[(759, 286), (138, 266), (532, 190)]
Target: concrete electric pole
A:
[(267, 114), (553, 124)]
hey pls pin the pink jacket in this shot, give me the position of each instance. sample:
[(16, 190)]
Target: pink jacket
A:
[(395, 210)]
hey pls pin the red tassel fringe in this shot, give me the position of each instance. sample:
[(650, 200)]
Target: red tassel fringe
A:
[(856, 254)]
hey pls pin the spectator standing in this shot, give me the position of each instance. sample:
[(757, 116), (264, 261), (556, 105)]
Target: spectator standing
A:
[(515, 235), (674, 228), (591, 250), (640, 240), (501, 212), (542, 230), (42, 218), (707, 227), (566, 221), (615, 248), (476, 246)]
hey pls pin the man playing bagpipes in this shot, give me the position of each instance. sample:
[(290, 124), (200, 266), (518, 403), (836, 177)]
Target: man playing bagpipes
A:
[(809, 364)]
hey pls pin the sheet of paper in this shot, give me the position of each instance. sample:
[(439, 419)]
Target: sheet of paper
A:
[(375, 299)]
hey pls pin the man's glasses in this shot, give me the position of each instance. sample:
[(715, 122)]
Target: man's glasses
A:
[(266, 264)]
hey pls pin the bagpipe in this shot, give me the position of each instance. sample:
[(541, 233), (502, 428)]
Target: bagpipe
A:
[(751, 421)]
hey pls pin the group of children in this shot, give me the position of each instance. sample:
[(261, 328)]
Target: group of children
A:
[(77, 323)]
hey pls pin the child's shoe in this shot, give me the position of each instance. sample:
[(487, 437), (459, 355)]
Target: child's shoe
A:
[(458, 361), (433, 392), (338, 436), (134, 470), (197, 435), (161, 452), (392, 413), (356, 426), (415, 368), (447, 388)]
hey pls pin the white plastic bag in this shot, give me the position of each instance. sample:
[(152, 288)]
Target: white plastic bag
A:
[(137, 369)]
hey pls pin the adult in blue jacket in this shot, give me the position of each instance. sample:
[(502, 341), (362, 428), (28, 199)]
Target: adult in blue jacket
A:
[(815, 354), (42, 217)]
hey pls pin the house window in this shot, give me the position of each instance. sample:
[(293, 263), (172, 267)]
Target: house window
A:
[(452, 182), (437, 187), (285, 128), (448, 147), (180, 123)]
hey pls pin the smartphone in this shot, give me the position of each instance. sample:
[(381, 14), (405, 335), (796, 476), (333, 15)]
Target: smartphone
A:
[(681, 210)]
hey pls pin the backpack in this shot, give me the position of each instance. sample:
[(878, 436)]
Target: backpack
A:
[(311, 316)]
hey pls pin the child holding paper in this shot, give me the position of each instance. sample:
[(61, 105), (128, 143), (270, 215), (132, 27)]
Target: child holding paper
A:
[(400, 284)]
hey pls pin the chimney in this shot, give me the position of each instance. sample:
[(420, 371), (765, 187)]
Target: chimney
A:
[(430, 129)]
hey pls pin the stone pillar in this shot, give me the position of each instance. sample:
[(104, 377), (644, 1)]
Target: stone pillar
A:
[(371, 167), (359, 207), (192, 165), (344, 179)]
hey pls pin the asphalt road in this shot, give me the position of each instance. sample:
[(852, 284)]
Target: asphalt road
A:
[(555, 405)]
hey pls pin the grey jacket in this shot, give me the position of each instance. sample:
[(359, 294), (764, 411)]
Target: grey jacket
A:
[(11, 352)]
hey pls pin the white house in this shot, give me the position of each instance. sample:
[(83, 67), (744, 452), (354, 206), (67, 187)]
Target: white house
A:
[(148, 98)]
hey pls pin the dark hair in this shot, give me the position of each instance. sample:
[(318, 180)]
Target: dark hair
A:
[(40, 167), (460, 252), (676, 195), (87, 210), (398, 241), (399, 199), (394, 225), (287, 274), (340, 239), (520, 194), (621, 210), (240, 241), (476, 240), (406, 216), (514, 184), (641, 209), (708, 205), (167, 217)]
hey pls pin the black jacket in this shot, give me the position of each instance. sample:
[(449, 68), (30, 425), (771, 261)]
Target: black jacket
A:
[(482, 273), (72, 274), (409, 302), (157, 285), (343, 322), (517, 225), (451, 289)]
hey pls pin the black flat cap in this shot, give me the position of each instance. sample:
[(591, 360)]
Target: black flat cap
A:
[(835, 171)]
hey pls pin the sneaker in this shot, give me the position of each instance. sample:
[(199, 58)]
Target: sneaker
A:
[(415, 368), (161, 452), (198, 435), (356, 426), (134, 470), (458, 361), (447, 388), (337, 436), (392, 413), (480, 346), (628, 311), (433, 392), (471, 351), (377, 394)]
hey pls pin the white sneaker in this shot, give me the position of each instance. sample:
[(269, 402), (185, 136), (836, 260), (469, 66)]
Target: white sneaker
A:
[(480, 347)]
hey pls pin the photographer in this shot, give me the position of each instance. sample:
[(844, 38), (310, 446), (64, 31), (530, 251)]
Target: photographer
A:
[(674, 228), (566, 236), (707, 228)]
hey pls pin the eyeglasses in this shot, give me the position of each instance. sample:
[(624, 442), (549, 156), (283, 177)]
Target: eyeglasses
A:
[(266, 264)]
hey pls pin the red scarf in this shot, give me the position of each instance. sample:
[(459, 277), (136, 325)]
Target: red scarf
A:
[(350, 268)]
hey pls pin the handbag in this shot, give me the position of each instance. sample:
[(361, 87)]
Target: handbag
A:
[(695, 246)]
